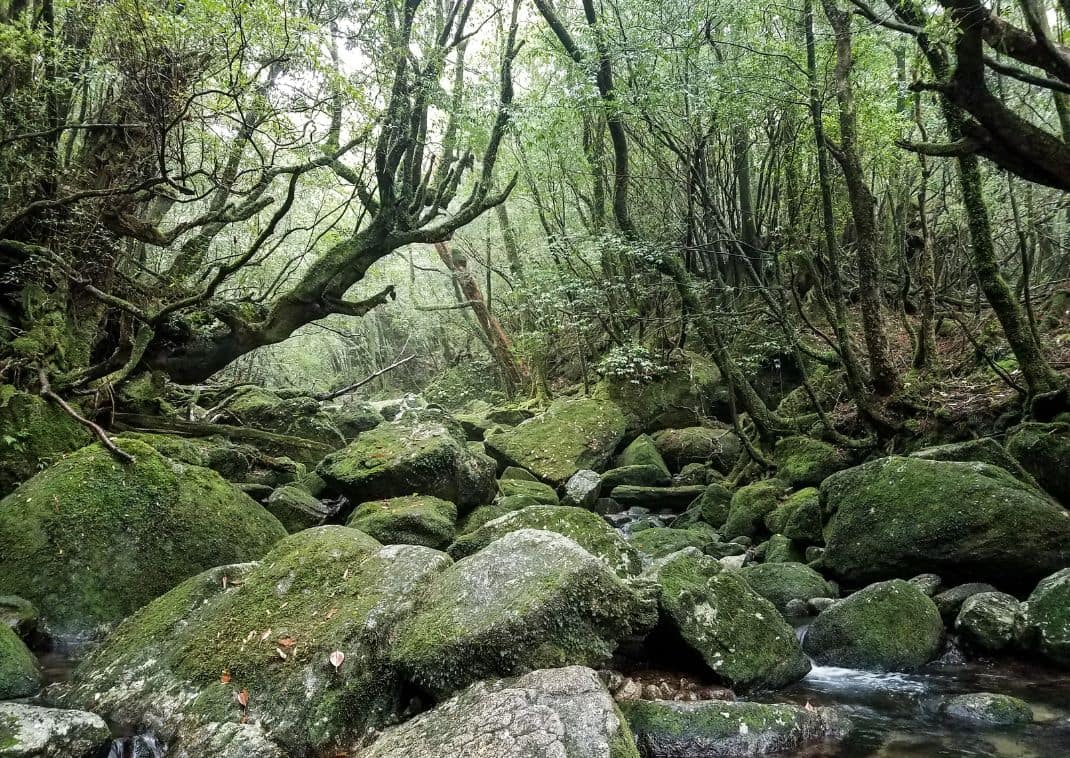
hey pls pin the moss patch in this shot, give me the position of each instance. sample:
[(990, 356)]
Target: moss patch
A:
[(411, 520)]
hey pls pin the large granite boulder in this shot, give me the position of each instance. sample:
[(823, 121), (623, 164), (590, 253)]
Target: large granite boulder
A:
[(92, 539), (898, 517), (643, 451), (888, 626), (571, 435), (409, 520), (750, 506), (302, 637), (583, 527), (739, 635), (30, 731), (532, 599), (1047, 618), (990, 621), (806, 462), (422, 454), (780, 583), (550, 713)]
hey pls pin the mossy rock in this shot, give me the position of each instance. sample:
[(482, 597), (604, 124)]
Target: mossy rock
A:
[(422, 455), (987, 708), (514, 472), (731, 729), (780, 583), (806, 526), (749, 507), (806, 462), (19, 674), (990, 621), (658, 542), (950, 601), (656, 498), (689, 392), (1043, 450), (899, 517), (33, 434), (541, 493), (711, 507), (888, 626), (571, 435), (717, 446), (92, 539), (352, 418), (779, 549), (740, 635), (484, 513), (30, 731), (297, 509), (410, 520), (532, 599), (642, 451), (295, 416), (983, 450), (19, 615), (269, 629), (551, 713), (643, 476), (1047, 618), (585, 528)]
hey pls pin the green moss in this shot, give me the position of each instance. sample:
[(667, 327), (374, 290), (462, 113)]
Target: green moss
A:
[(888, 626), (1047, 618), (711, 507), (719, 727), (648, 476), (749, 507), (719, 447), (806, 462), (91, 539), (657, 542), (988, 708), (643, 452), (585, 528), (1043, 450), (410, 520), (33, 434), (779, 583), (541, 493), (779, 549), (19, 675)]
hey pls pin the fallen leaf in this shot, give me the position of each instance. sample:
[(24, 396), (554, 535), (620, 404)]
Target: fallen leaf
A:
[(265, 635), (287, 642), (243, 698), (331, 613), (225, 677), (337, 658)]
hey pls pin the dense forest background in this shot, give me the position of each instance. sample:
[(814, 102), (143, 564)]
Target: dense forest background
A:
[(514, 199)]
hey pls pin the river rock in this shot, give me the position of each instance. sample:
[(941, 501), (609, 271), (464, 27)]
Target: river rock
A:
[(657, 542), (410, 520), (642, 451), (587, 529), (779, 549), (989, 621), (739, 634), (1047, 618), (670, 729), (538, 492), (1043, 450), (571, 435), (903, 516), (656, 498), (304, 633), (930, 584), (298, 509), (888, 626), (780, 583), (423, 454), (987, 708), (806, 462), (29, 731), (949, 602), (91, 539), (550, 713), (642, 476), (19, 674), (528, 600), (798, 517), (583, 488), (720, 447), (711, 507), (750, 505)]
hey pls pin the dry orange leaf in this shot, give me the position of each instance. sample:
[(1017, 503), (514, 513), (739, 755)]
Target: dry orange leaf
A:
[(265, 635), (287, 642), (225, 677), (243, 698)]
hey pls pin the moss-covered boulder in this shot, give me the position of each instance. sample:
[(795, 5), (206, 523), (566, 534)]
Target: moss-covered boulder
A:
[(689, 391), (409, 520), (806, 462), (988, 709), (989, 621), (19, 674), (1047, 618), (296, 416), (92, 539), (33, 434), (711, 507), (18, 615), (898, 517), (29, 731), (353, 418), (551, 713), (888, 626), (779, 549), (571, 435), (484, 513), (643, 476), (423, 454), (660, 541), (642, 451), (982, 450), (717, 446), (780, 583), (304, 634), (583, 489), (656, 498), (297, 509), (949, 602), (585, 528), (541, 493), (731, 729), (532, 599), (1043, 450), (749, 507), (739, 635)]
